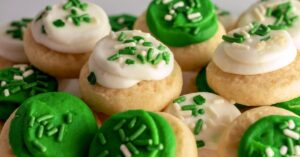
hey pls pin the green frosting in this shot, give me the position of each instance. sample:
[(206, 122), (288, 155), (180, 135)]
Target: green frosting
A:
[(181, 25), (121, 22), (20, 90), (52, 124), (270, 133), (292, 105), (145, 134)]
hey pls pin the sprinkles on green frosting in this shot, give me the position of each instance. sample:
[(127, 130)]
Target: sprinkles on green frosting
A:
[(122, 22), (16, 28)]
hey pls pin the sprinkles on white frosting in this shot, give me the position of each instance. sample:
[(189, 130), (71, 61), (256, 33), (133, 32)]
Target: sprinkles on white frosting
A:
[(123, 59), (206, 114), (71, 27), (255, 49)]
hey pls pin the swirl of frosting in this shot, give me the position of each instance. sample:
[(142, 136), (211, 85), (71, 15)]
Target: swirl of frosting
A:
[(72, 27), (255, 49), (125, 58), (271, 12), (11, 44), (206, 114)]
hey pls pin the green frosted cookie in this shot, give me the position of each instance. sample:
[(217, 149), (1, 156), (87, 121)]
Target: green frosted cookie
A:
[(122, 22)]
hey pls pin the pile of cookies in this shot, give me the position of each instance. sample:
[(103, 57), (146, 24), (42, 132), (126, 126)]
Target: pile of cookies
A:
[(184, 79)]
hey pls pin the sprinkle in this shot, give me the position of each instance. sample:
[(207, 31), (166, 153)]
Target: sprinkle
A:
[(291, 147), (69, 118), (297, 150), (39, 146), (179, 99), (157, 59), (147, 44), (200, 143), (40, 131), (146, 142), (291, 134), (129, 61), (30, 85), (265, 38), (15, 90), (283, 150), (3, 83), (28, 73), (166, 57), (44, 118), (17, 77), (92, 78), (172, 11), (43, 84), (187, 113), (194, 16), (178, 5), (232, 39), (132, 148), (166, 1), (31, 121), (125, 150), (122, 36), (101, 138), (52, 132), (121, 20), (59, 23), (269, 152), (201, 111), (122, 46), (291, 124), (158, 147), (6, 92), (259, 15), (49, 126), (241, 46), (199, 100), (150, 54), (122, 135), (141, 58), (138, 132), (198, 126), (132, 123), (189, 107), (61, 133), (119, 125), (103, 154), (168, 17), (114, 57)]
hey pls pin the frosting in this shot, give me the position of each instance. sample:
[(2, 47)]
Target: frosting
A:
[(20, 82), (291, 105), (122, 22), (123, 59), (11, 44), (280, 13), (206, 114), (71, 27), (51, 124), (134, 133), (271, 136), (255, 49), (181, 23)]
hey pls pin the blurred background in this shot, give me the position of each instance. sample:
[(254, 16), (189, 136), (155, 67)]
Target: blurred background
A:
[(15, 9)]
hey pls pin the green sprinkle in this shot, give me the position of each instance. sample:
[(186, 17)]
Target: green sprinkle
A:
[(114, 57), (224, 13), (283, 126), (290, 144), (150, 54), (199, 100), (146, 142), (59, 23), (189, 107), (201, 111), (269, 12), (122, 36), (40, 131), (102, 138), (147, 44), (129, 61), (68, 5), (49, 126), (122, 135), (179, 99), (44, 118), (69, 118), (132, 123), (128, 51), (158, 147), (15, 90), (138, 38), (132, 149), (45, 123), (232, 39), (119, 125), (157, 59), (130, 41), (48, 8), (277, 27), (196, 30), (52, 132), (61, 132), (39, 146), (141, 58), (161, 47), (44, 84), (166, 57), (41, 76), (92, 78), (31, 121), (43, 30), (198, 126), (40, 90), (103, 154), (138, 132), (200, 143), (254, 28), (265, 38)]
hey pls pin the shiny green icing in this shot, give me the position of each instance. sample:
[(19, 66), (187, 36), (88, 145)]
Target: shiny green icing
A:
[(158, 131), (182, 31), (68, 127), (20, 90), (268, 132), (291, 105), (121, 22)]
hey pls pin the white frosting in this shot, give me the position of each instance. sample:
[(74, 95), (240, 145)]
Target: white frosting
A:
[(219, 113), (11, 49), (258, 11), (71, 38), (117, 74), (254, 56)]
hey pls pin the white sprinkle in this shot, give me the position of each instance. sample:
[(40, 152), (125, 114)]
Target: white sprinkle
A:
[(297, 150), (262, 9), (177, 106), (291, 124), (241, 46), (28, 73), (22, 67), (3, 83), (121, 60), (291, 134), (211, 109), (259, 15), (168, 17), (17, 77), (6, 92), (147, 36), (269, 152), (141, 41), (178, 5), (113, 35), (172, 11), (166, 1), (245, 34), (194, 16), (283, 150), (186, 113), (218, 101), (122, 46), (121, 20), (125, 151), (144, 53)]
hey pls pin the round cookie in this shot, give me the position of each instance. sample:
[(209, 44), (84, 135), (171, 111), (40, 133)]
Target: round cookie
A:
[(232, 136), (53, 127), (140, 133), (61, 38), (207, 115), (20, 82), (136, 77), (191, 51), (122, 22), (11, 43)]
